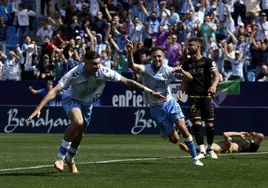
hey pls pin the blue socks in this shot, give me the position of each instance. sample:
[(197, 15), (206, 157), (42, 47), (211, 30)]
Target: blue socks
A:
[(190, 144), (71, 153), (64, 147)]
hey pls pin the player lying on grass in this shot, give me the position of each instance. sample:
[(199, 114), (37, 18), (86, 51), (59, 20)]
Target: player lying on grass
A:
[(248, 142), (83, 85)]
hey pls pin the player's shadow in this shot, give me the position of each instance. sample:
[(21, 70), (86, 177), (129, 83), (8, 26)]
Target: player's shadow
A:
[(30, 174)]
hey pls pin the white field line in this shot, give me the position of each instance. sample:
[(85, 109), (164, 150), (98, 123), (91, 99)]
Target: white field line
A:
[(124, 160)]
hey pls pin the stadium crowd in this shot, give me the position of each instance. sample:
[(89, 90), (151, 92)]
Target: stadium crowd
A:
[(234, 32)]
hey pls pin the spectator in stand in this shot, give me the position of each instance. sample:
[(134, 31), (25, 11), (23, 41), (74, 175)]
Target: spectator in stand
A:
[(80, 4), (3, 35), (61, 64), (47, 48), (161, 38), (174, 50), (59, 38), (29, 61), (56, 21), (263, 75), (99, 25), (44, 91), (73, 60), (140, 49), (96, 25), (27, 41), (106, 56), (11, 65), (237, 64), (46, 70), (136, 30), (208, 28), (23, 19), (45, 31)]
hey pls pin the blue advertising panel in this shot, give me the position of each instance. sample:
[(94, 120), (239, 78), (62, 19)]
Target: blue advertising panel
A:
[(117, 95), (124, 120)]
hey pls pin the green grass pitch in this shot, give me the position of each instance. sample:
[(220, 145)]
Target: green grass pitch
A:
[(124, 161)]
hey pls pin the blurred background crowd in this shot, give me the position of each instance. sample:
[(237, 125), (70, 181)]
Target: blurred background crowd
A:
[(43, 39)]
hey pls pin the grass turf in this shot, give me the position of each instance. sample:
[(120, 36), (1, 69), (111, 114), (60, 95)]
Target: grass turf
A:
[(25, 150)]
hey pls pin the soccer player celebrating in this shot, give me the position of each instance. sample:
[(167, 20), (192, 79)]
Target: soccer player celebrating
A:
[(200, 91), (157, 76), (85, 85)]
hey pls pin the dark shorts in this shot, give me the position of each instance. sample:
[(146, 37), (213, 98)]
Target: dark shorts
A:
[(201, 109), (250, 147)]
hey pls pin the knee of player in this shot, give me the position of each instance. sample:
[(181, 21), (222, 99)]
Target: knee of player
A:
[(197, 123), (173, 140), (79, 123), (180, 123), (209, 124)]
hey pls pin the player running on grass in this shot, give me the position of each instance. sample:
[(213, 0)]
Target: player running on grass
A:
[(248, 142), (85, 85), (157, 76), (200, 91)]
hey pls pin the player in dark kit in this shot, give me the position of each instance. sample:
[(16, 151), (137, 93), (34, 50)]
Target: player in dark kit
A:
[(248, 142), (200, 89)]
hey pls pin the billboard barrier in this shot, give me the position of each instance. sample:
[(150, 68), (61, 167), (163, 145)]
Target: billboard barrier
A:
[(124, 120)]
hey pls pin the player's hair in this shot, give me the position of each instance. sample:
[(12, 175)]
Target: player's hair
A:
[(154, 49), (21, 5), (198, 40), (91, 55)]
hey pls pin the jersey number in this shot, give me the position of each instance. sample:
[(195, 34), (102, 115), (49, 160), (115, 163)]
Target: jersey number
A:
[(193, 108)]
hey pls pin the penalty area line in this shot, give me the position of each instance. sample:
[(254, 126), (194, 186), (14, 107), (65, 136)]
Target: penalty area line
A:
[(123, 160)]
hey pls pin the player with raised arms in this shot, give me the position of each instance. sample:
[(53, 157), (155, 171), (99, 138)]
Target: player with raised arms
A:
[(83, 86), (157, 76)]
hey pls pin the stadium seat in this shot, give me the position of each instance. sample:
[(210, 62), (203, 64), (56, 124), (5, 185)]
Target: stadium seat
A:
[(12, 42), (251, 76), (11, 31)]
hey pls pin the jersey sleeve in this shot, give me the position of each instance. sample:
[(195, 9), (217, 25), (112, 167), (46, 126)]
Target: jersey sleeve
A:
[(212, 65), (170, 72), (142, 68), (110, 75), (70, 76)]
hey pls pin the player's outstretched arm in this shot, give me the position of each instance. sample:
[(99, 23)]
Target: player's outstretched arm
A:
[(33, 90), (137, 86), (131, 64), (228, 135), (50, 95)]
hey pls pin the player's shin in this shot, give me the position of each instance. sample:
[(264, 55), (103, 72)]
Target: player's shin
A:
[(210, 136), (190, 144), (71, 153), (199, 136), (66, 141), (75, 145), (65, 146)]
